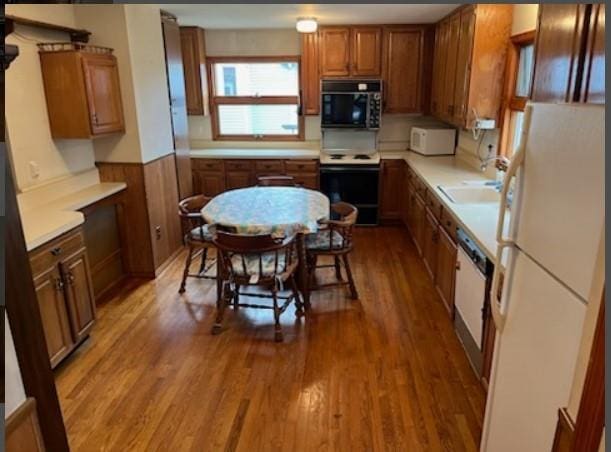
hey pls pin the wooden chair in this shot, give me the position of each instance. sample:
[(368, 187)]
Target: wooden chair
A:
[(333, 239), (257, 260), (198, 237), (276, 181)]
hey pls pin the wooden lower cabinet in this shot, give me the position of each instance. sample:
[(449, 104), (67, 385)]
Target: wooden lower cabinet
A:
[(446, 269), (429, 246), (79, 293), (418, 221), (64, 291), (391, 186), (213, 176), (53, 313)]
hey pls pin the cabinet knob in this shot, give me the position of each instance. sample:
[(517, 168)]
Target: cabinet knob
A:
[(70, 277), (56, 251), (457, 265), (59, 284)]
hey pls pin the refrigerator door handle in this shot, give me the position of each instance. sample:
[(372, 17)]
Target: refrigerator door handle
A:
[(495, 301)]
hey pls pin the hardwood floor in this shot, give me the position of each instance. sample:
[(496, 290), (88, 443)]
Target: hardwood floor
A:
[(383, 373)]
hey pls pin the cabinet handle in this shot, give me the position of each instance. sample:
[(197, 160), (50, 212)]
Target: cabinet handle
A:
[(70, 277), (95, 119), (56, 251), (457, 265), (59, 284)]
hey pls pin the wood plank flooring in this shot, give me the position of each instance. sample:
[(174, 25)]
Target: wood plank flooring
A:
[(385, 372)]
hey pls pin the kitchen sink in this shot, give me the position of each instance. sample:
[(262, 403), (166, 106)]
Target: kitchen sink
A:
[(465, 194)]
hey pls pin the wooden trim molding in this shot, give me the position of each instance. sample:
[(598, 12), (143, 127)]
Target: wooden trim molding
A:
[(23, 429), (26, 326), (591, 415), (585, 433), (565, 432)]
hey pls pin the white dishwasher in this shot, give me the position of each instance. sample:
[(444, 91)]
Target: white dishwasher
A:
[(472, 274)]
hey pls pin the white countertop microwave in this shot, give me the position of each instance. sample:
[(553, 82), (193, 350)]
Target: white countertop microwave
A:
[(433, 140)]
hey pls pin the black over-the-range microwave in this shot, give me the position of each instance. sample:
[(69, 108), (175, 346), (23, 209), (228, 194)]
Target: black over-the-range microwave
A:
[(351, 104)]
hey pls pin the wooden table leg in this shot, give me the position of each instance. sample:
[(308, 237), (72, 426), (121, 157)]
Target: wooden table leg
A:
[(302, 277), (219, 280)]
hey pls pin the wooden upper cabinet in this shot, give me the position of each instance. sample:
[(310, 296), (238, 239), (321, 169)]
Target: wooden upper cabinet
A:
[(559, 33), (103, 93), (193, 47), (366, 51), (310, 74), (403, 64), (471, 50), (463, 64), (593, 84), (334, 51), (82, 92)]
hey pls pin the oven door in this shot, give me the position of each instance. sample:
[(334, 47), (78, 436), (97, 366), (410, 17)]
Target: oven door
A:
[(345, 110), (355, 184)]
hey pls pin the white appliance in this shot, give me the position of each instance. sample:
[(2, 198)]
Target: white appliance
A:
[(433, 140), (557, 222)]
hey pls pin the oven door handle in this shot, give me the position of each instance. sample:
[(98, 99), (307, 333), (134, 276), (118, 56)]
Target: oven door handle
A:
[(353, 168)]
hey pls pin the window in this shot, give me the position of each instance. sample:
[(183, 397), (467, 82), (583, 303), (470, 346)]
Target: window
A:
[(518, 84), (255, 98)]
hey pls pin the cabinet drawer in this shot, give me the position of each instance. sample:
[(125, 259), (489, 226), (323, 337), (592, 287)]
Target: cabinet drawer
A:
[(433, 204), (51, 253), (420, 188), (301, 166), (448, 223), (239, 165), (307, 180), (207, 164), (269, 166)]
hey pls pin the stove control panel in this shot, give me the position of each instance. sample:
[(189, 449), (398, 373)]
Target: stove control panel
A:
[(375, 110)]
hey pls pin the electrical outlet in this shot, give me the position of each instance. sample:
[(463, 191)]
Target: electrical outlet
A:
[(485, 124), (34, 170)]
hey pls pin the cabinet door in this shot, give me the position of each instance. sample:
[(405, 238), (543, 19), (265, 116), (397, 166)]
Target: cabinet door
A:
[(559, 34), (405, 196), (178, 109), (429, 249), (390, 189), (446, 269), (79, 293), (49, 289), (335, 52), (103, 93), (193, 46), (208, 183), (463, 65), (306, 180), (439, 61), (310, 76), (419, 220), (452, 39), (366, 51), (403, 49), (593, 85), (238, 179)]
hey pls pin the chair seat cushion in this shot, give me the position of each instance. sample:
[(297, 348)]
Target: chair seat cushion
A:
[(251, 262), (204, 233), (320, 240)]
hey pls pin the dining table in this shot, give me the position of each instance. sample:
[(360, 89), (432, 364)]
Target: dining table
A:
[(280, 211)]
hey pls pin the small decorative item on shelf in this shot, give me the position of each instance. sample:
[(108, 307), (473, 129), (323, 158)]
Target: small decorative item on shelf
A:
[(73, 46)]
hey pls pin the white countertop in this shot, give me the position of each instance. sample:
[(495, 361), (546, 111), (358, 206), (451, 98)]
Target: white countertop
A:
[(253, 153), (43, 224)]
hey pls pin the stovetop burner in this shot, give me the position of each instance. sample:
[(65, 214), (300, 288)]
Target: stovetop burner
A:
[(362, 157), (336, 156)]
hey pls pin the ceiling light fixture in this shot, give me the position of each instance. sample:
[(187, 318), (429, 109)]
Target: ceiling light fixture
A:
[(306, 24)]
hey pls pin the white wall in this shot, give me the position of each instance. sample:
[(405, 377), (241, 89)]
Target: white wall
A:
[(524, 18), (14, 394), (27, 121), (134, 32)]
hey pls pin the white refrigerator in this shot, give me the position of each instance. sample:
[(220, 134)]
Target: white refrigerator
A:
[(557, 222)]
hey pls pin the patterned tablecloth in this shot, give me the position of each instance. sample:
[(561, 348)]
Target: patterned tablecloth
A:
[(260, 210)]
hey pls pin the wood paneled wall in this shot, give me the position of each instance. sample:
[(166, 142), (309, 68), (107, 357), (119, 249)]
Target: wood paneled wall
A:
[(148, 215)]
